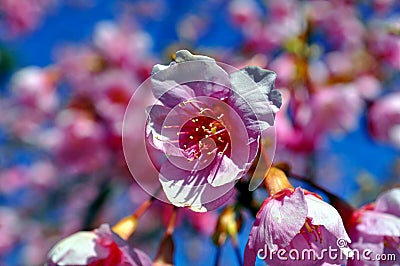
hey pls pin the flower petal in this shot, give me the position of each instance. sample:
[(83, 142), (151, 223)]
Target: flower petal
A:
[(254, 96), (324, 214), (225, 171), (366, 242), (190, 188), (99, 247), (389, 202), (77, 249), (170, 83), (380, 224), (159, 137), (300, 252), (277, 223)]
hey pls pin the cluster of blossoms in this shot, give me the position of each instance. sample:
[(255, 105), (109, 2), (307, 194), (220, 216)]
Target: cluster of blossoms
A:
[(204, 136), (289, 219), (328, 84), (18, 17), (69, 115)]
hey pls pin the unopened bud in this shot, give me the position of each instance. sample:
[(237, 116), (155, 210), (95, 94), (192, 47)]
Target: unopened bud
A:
[(126, 227), (228, 224)]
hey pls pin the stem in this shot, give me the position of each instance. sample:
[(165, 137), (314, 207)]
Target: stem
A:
[(127, 225), (145, 205), (172, 222), (237, 251), (143, 208), (218, 255), (311, 164)]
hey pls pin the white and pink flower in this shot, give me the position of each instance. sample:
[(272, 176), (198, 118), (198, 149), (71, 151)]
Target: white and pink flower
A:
[(99, 247)]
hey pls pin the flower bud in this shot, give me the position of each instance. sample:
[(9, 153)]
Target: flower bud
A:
[(126, 227), (228, 224)]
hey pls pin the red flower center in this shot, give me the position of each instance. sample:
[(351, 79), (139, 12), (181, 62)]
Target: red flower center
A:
[(203, 134)]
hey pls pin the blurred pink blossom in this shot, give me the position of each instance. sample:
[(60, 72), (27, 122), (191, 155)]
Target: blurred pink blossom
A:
[(78, 65), (10, 229), (348, 30), (34, 101), (244, 12), (385, 46), (285, 68), (368, 86), (284, 21), (35, 88), (23, 15), (376, 227), (335, 109), (78, 142), (384, 119), (383, 6), (124, 46), (40, 175)]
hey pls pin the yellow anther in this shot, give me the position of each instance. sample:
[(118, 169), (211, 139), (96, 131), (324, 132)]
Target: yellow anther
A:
[(309, 228)]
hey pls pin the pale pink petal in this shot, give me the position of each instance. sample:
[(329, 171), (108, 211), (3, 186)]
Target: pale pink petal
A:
[(389, 202), (380, 224), (277, 223), (324, 214)]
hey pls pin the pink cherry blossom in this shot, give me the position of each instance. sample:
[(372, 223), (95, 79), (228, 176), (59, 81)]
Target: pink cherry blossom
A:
[(123, 45), (35, 87), (295, 220), (335, 109), (99, 247), (290, 134), (384, 119), (34, 101), (39, 175), (376, 227), (244, 12), (285, 68), (10, 229), (385, 46), (23, 15), (208, 120), (348, 31), (78, 65), (284, 21), (77, 141)]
